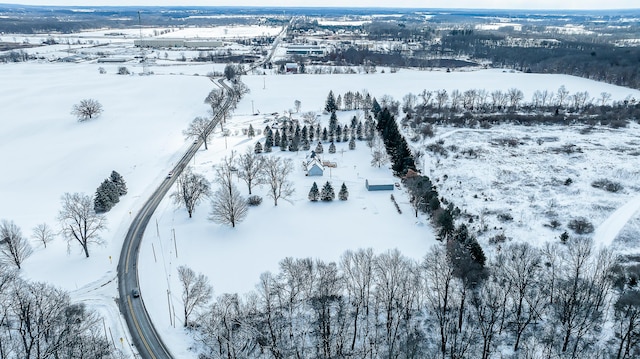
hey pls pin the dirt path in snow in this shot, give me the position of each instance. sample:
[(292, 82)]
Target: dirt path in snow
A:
[(609, 229)]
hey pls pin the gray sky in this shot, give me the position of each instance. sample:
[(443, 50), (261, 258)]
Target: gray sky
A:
[(485, 4), (492, 4)]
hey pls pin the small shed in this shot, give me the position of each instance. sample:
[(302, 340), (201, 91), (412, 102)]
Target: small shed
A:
[(379, 184), (291, 67)]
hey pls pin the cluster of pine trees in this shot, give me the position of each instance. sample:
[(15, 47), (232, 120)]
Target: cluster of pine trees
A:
[(293, 137), (109, 192), (327, 194)]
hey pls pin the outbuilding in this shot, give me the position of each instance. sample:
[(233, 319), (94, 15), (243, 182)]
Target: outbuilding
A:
[(374, 184)]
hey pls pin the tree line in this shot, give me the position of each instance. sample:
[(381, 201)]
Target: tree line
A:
[(552, 302)]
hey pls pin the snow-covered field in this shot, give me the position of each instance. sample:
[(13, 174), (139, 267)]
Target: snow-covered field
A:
[(517, 180), (45, 153)]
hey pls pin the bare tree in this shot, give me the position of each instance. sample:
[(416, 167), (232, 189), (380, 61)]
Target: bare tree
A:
[(215, 99), (14, 248), (228, 206), (80, 222), (409, 102), (379, 155), (250, 167), (43, 233), (520, 269), (604, 98), (310, 118), (191, 189), (196, 291), (515, 97), (198, 129), (562, 95), (87, 109), (441, 99), (275, 172)]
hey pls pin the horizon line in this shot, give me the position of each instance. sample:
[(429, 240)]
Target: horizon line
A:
[(322, 7)]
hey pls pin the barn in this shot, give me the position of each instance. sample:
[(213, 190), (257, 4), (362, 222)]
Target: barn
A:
[(374, 184)]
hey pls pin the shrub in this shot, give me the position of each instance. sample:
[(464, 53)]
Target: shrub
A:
[(254, 200), (505, 217), (555, 224), (122, 70), (498, 238), (580, 225), (607, 185), (568, 182)]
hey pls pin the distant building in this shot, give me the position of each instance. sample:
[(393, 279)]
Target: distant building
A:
[(379, 184), (169, 42), (291, 67), (303, 49), (117, 60)]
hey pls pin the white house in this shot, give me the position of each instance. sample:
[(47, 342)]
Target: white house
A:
[(313, 165)]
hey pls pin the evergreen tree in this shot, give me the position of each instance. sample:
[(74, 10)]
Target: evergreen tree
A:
[(257, 148), (304, 133), (102, 202), (332, 148), (354, 122), (268, 143), (306, 145), (343, 195), (312, 132), (352, 144), (327, 193), (106, 196), (325, 134), (319, 148), (330, 105), (367, 103), (338, 133), (345, 134), (277, 138), (360, 131), (267, 131), (117, 179), (251, 132), (333, 124), (339, 102), (284, 142), (317, 132), (314, 193), (375, 107), (294, 146)]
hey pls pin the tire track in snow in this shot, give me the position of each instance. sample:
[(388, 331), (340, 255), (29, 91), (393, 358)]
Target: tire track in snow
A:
[(611, 227)]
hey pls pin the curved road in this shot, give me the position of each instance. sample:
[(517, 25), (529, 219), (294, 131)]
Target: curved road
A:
[(144, 336)]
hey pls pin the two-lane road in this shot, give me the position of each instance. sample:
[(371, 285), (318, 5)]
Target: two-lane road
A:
[(143, 333)]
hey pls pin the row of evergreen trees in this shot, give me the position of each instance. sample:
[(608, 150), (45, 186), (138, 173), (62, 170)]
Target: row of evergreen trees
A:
[(397, 147), (327, 194), (109, 192), (461, 245)]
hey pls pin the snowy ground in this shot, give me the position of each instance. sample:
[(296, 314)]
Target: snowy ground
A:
[(46, 153), (492, 181)]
